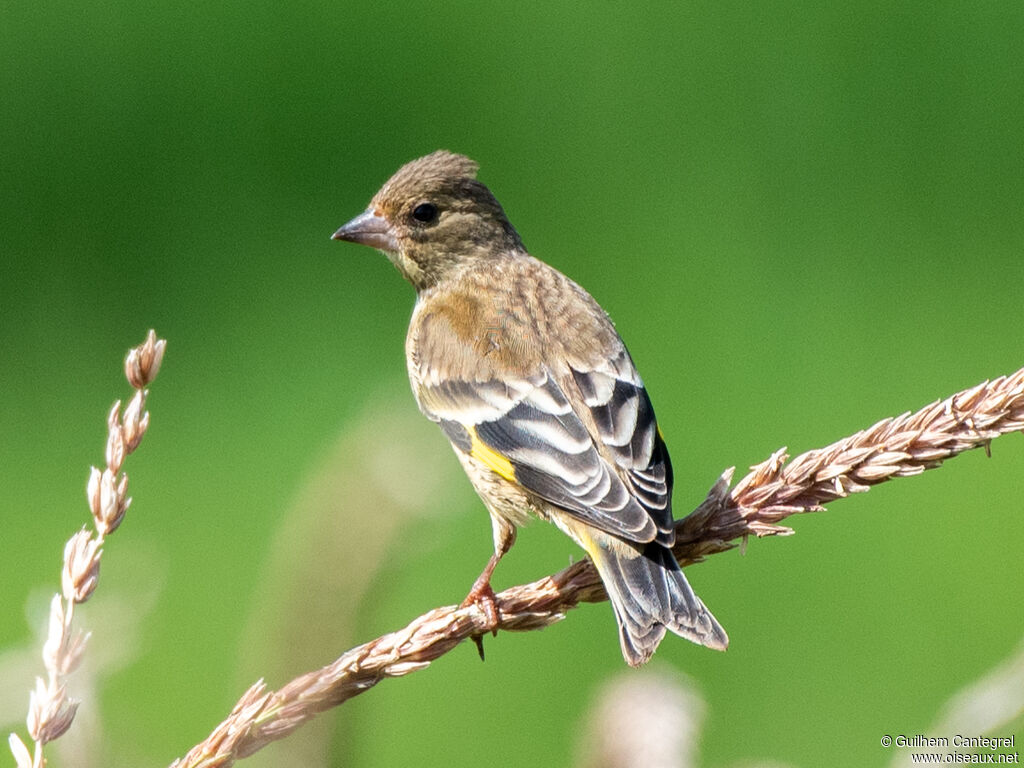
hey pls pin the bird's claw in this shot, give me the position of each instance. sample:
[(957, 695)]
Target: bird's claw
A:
[(482, 596)]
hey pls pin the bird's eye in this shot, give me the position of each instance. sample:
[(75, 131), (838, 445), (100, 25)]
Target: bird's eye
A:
[(425, 213)]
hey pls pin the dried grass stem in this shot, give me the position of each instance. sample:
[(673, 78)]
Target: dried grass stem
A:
[(772, 491), (51, 710)]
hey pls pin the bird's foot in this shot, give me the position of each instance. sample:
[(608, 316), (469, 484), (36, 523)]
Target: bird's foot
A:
[(483, 597)]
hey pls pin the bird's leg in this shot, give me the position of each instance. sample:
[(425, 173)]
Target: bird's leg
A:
[(481, 594)]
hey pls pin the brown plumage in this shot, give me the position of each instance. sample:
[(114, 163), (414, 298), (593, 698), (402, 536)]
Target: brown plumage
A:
[(528, 378)]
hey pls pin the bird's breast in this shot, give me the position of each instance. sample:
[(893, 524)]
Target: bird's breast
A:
[(473, 335)]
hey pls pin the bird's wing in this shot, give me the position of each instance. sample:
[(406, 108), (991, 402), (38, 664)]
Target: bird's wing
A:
[(525, 427), (618, 402)]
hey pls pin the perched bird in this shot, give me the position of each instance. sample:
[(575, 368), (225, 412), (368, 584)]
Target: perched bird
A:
[(527, 376)]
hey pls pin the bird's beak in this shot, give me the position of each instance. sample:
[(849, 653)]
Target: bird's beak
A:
[(370, 229)]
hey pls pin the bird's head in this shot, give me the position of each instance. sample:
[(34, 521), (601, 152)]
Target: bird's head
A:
[(432, 218)]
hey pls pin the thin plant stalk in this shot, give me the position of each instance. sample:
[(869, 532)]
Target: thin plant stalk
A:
[(773, 490), (51, 710)]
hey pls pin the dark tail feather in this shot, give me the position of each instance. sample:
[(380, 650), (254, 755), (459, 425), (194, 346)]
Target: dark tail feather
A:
[(650, 594)]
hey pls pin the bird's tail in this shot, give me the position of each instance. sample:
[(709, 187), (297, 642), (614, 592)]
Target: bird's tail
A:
[(650, 594)]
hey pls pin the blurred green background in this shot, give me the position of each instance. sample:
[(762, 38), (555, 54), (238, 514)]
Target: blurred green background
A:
[(803, 217)]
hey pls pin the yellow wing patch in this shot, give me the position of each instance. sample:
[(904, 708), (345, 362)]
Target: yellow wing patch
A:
[(498, 463)]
